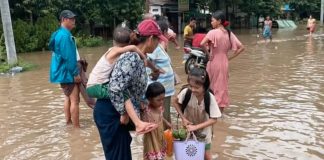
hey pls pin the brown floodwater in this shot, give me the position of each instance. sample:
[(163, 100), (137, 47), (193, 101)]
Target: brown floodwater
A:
[(276, 111)]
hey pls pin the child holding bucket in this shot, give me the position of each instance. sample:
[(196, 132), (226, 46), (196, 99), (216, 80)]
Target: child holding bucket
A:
[(198, 108), (154, 142)]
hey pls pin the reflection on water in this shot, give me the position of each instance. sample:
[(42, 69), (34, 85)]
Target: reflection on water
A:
[(277, 106)]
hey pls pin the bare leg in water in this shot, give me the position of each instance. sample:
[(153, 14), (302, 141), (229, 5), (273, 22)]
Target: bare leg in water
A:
[(67, 106), (71, 107), (222, 109)]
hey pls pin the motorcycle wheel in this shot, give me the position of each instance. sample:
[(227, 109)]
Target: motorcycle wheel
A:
[(190, 63)]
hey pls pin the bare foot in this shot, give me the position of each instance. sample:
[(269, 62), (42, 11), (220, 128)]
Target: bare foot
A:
[(76, 126), (69, 122)]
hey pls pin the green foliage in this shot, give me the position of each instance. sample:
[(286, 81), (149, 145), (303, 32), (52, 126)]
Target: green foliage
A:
[(27, 66), (5, 67), (32, 9), (89, 41), (262, 7), (44, 27), (34, 20), (29, 37), (306, 6), (25, 37), (2, 48)]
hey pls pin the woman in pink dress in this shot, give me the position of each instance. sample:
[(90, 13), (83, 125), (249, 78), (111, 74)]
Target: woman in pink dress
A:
[(220, 41)]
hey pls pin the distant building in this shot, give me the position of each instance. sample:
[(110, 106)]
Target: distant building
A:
[(167, 8)]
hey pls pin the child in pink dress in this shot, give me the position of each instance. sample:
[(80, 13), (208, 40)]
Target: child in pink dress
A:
[(154, 142), (220, 41)]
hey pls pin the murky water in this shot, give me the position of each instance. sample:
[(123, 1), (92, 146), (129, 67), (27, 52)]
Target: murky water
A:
[(276, 112)]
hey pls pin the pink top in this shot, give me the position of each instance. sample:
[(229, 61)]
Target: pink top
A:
[(220, 42), (217, 67)]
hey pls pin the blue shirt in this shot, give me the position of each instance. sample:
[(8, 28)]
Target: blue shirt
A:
[(63, 67), (162, 60)]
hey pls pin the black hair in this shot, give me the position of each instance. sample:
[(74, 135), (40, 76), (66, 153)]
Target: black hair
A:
[(121, 35), (157, 17), (163, 24), (154, 89), (220, 15), (192, 19), (200, 76)]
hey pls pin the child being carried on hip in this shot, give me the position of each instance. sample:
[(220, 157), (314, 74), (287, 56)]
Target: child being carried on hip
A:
[(198, 108), (97, 86), (98, 83)]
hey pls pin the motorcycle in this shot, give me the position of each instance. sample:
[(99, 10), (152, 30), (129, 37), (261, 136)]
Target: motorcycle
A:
[(194, 57)]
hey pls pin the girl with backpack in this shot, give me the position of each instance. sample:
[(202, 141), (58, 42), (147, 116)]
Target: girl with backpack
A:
[(197, 107)]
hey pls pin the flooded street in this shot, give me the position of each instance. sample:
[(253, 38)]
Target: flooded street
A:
[(276, 112)]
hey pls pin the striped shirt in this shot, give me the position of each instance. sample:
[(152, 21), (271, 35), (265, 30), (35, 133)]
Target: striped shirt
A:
[(162, 60)]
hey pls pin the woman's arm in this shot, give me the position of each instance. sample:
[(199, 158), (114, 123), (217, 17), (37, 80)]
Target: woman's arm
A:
[(203, 45), (205, 124), (141, 127), (237, 52), (237, 46)]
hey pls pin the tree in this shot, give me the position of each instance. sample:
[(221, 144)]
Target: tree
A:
[(261, 7), (33, 8), (305, 7), (8, 33)]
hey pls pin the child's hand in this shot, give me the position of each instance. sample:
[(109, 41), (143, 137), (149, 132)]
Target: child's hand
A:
[(155, 74), (160, 71), (134, 48), (77, 79), (144, 127), (186, 122), (191, 128), (124, 119)]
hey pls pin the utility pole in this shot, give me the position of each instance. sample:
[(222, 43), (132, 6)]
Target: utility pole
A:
[(8, 33), (322, 12)]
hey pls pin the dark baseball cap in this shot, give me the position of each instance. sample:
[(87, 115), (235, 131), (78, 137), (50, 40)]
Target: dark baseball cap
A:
[(67, 14)]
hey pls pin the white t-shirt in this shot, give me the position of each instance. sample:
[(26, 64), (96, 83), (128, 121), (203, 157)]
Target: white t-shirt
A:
[(100, 74), (196, 113)]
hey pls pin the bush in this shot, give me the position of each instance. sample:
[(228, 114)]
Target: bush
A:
[(2, 48), (29, 37), (89, 41), (45, 26), (25, 39), (5, 67)]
